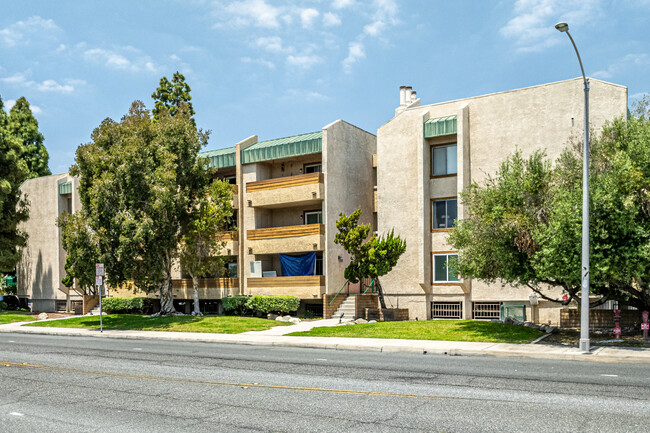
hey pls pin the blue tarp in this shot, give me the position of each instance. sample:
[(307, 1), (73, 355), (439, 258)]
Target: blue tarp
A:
[(298, 266)]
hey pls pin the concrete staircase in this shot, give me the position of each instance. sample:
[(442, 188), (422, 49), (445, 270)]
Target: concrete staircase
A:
[(348, 308), (94, 311)]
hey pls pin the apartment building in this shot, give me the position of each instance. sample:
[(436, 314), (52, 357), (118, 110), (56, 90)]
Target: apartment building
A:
[(41, 268), (427, 154), (288, 195)]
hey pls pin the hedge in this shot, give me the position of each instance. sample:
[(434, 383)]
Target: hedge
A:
[(273, 304), (127, 305), (235, 304)]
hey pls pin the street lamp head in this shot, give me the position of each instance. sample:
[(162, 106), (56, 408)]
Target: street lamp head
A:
[(563, 27)]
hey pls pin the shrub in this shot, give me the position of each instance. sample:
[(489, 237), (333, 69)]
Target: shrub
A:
[(3, 305), (236, 304), (125, 305), (273, 304)]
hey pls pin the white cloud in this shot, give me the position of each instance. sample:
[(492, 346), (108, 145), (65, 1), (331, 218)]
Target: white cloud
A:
[(262, 62), (532, 27), (255, 12), (23, 32), (331, 20), (116, 60), (271, 44), (639, 95), (342, 4), (307, 17), (375, 28), (303, 61), (355, 52), (626, 62), (68, 85), (174, 57), (384, 16)]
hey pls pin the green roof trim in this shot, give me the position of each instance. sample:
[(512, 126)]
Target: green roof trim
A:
[(65, 188), (303, 144), (221, 158), (440, 126)]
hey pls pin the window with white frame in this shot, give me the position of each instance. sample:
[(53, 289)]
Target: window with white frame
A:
[(314, 217), (444, 268), (443, 160), (444, 213)]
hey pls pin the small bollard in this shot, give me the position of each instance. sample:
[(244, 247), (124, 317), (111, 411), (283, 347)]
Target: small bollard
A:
[(645, 325), (617, 325)]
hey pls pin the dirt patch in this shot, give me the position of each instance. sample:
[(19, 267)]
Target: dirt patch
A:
[(571, 337), (54, 315)]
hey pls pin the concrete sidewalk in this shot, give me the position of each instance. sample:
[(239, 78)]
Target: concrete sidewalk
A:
[(267, 338)]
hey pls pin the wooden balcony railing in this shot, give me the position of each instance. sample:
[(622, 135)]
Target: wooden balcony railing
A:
[(307, 281), (285, 182), (206, 283), (286, 232), (227, 236)]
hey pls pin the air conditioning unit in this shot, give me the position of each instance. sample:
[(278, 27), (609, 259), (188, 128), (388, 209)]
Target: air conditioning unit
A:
[(256, 269)]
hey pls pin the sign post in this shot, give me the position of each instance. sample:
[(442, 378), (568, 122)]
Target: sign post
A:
[(617, 324), (99, 273), (645, 325)]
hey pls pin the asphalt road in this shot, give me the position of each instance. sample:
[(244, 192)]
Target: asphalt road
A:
[(74, 384)]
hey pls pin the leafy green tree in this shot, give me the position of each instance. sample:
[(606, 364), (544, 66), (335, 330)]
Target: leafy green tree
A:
[(201, 243), (139, 181), (170, 95), (524, 226), (13, 204), (82, 247), (369, 259), (24, 126)]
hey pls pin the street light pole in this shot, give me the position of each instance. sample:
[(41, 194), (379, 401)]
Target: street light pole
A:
[(584, 304)]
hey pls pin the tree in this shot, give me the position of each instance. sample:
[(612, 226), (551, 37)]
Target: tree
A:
[(24, 126), (13, 204), (139, 181), (524, 226), (82, 247), (201, 243), (170, 95), (372, 258)]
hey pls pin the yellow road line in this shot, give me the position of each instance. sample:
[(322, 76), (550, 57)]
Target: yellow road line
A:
[(241, 385)]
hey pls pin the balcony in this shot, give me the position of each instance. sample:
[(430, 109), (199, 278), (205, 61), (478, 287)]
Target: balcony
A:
[(290, 239), (231, 248), (290, 191), (209, 288), (308, 287)]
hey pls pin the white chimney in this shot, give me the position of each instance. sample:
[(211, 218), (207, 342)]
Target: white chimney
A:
[(402, 96), (408, 94), (414, 96)]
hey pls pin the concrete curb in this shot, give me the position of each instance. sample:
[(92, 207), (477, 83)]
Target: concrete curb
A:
[(449, 348)]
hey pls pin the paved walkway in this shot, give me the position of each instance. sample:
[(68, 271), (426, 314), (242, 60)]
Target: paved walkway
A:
[(275, 337)]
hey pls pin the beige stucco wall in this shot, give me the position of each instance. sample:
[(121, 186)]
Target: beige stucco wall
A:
[(490, 128), (306, 196), (295, 244), (42, 264), (347, 164)]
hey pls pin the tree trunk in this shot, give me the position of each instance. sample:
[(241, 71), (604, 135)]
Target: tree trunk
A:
[(166, 296), (195, 284), (382, 302)]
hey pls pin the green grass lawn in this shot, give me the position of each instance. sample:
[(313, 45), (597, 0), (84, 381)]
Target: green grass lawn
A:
[(445, 330), (10, 317), (136, 322)]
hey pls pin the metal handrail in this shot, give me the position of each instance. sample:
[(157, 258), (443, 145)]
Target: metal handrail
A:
[(369, 286), (347, 282)]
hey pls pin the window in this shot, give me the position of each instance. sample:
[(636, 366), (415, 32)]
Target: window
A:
[(319, 266), (232, 270), (444, 268), (486, 310), (443, 160), (314, 217), (444, 213), (446, 310), (313, 168), (230, 179)]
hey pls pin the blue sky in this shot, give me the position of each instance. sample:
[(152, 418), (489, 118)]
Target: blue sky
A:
[(278, 68)]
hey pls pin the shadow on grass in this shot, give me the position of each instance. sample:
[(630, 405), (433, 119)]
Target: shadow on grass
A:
[(499, 331)]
